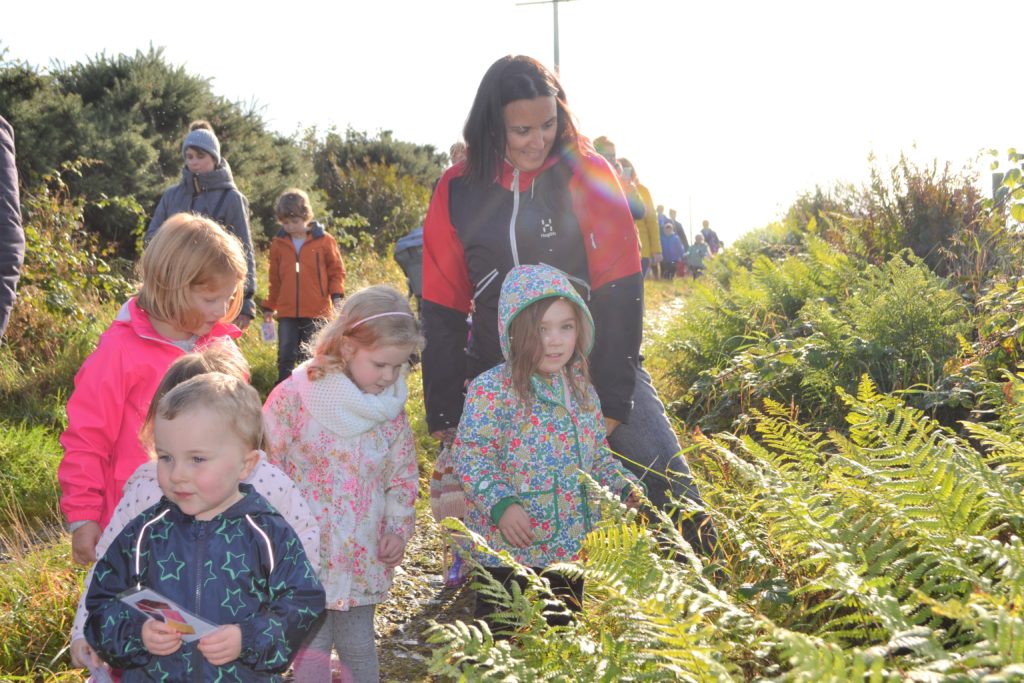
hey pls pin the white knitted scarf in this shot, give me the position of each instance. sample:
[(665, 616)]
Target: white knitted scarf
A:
[(340, 406)]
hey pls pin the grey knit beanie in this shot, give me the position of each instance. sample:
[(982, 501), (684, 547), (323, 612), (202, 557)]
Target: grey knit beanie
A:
[(203, 139)]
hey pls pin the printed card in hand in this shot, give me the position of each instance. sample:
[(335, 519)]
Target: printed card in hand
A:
[(156, 606)]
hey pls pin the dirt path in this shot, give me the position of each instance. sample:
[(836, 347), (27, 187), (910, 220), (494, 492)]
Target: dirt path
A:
[(417, 597)]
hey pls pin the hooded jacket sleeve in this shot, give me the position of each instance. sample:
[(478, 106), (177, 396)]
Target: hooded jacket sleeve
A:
[(271, 636), (607, 469), (12, 235), (112, 628), (335, 269), (402, 477), (447, 295), (480, 443), (236, 218), (617, 297), (160, 214), (140, 493), (95, 411)]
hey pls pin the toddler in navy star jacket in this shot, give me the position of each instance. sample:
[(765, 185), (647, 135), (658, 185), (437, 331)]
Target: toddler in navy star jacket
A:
[(212, 544)]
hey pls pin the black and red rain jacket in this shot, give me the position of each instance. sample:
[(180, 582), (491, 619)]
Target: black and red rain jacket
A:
[(571, 214)]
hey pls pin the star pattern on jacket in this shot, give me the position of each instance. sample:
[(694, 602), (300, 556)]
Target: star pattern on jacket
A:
[(160, 531), (238, 605), (230, 565), (210, 575), (167, 574), (230, 529), (224, 671), (158, 672), (306, 618)]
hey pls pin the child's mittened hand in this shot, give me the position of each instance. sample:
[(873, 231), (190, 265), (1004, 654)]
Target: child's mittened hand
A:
[(83, 543), (159, 638), (390, 550), (514, 525), (223, 645)]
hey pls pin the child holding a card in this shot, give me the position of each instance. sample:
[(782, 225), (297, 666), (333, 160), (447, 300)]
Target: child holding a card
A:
[(212, 546)]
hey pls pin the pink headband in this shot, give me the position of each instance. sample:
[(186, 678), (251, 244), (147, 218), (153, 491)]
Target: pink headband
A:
[(380, 315)]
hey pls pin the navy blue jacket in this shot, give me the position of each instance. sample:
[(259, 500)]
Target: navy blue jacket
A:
[(246, 566), (12, 236)]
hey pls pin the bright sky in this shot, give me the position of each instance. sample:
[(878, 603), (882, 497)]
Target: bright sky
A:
[(728, 110)]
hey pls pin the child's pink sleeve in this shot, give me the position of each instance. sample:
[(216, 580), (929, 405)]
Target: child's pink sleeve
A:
[(402, 482), (95, 411)]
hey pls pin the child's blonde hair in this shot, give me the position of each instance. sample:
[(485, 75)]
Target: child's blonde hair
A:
[(372, 317), (189, 251), (293, 203), (220, 356), (229, 397)]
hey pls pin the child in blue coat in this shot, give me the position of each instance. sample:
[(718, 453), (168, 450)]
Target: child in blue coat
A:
[(212, 545)]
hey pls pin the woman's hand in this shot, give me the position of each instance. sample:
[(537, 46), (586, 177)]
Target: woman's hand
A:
[(159, 638), (82, 654), (633, 500), (83, 543), (514, 525), (445, 436), (223, 645), (390, 550), (610, 423)]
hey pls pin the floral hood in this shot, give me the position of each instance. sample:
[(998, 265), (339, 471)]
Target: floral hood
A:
[(526, 284)]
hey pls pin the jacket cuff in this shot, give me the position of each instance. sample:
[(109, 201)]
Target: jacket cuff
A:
[(498, 510)]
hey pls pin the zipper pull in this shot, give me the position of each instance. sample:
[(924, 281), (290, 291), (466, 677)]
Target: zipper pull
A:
[(296, 266)]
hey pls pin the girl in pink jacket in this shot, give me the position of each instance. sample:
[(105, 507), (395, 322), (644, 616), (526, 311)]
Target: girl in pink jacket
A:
[(337, 426), (193, 275)]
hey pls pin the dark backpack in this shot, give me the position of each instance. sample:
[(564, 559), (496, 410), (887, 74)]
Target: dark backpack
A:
[(409, 256)]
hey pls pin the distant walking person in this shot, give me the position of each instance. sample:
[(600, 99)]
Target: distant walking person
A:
[(647, 225), (711, 238), (12, 236), (696, 255), (208, 188), (677, 227), (307, 279), (672, 252)]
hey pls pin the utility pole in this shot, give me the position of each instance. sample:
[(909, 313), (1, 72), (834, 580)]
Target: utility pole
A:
[(554, 6)]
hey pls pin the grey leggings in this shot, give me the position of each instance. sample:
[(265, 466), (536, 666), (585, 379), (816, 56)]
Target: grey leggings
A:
[(650, 449), (351, 634)]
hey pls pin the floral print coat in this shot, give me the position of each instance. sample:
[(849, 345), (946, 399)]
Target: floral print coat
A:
[(353, 457), (507, 452)]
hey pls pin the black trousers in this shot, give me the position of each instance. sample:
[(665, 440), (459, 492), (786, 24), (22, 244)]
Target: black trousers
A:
[(292, 336), (568, 591)]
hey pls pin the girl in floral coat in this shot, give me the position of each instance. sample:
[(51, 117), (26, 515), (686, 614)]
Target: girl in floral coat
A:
[(529, 428), (337, 426)]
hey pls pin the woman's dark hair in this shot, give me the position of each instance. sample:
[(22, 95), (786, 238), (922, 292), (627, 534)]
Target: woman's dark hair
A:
[(509, 79)]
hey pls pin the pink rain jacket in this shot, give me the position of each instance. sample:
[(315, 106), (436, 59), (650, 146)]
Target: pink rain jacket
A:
[(113, 390)]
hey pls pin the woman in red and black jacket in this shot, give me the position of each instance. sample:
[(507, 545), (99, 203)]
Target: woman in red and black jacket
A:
[(532, 190)]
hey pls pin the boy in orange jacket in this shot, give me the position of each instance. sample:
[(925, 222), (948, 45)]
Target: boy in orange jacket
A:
[(307, 279)]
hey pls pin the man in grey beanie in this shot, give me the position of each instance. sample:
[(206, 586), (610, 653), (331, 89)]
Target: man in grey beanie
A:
[(208, 188)]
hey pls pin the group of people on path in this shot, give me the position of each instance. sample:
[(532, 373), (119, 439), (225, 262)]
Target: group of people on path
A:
[(273, 531)]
